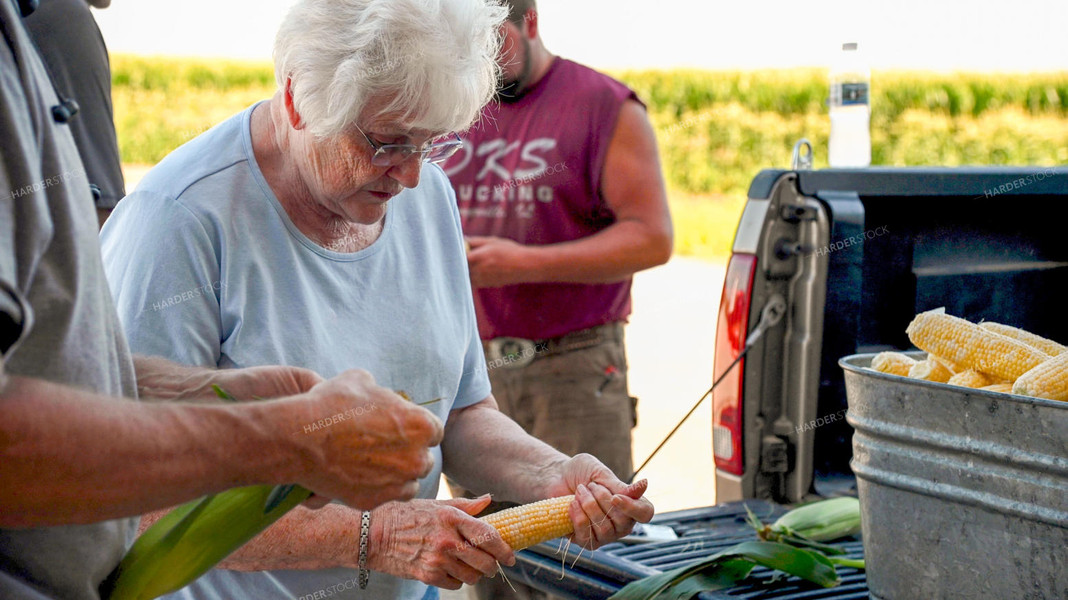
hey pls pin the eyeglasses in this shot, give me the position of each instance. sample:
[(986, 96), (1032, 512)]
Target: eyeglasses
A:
[(388, 155)]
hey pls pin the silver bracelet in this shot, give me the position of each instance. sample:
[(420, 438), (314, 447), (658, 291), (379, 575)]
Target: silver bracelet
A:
[(365, 532)]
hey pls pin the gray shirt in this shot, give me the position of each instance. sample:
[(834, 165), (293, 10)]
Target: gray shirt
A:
[(73, 50), (57, 319)]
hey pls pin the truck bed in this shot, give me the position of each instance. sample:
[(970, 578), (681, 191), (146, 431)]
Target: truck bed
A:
[(702, 532)]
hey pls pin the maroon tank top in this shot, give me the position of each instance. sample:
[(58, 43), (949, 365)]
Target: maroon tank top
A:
[(531, 171)]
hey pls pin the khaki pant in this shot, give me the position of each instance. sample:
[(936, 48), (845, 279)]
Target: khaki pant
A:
[(555, 399)]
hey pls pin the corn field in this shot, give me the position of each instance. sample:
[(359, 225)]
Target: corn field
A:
[(716, 129)]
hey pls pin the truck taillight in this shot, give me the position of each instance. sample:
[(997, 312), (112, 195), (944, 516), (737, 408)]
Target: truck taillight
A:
[(732, 326)]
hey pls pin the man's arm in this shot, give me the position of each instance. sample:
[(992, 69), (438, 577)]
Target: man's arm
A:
[(632, 187), (72, 457)]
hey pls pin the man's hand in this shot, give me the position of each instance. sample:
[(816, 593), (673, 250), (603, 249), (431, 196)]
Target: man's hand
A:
[(436, 542), (496, 262), (366, 444), (605, 509)]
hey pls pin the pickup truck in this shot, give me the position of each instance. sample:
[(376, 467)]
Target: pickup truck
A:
[(828, 263)]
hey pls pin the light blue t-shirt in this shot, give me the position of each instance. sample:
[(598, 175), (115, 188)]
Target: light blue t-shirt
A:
[(207, 269)]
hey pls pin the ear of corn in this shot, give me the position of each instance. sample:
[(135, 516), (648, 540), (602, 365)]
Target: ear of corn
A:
[(193, 538), (930, 370), (950, 366), (972, 346), (534, 523), (1047, 380), (822, 521), (970, 378), (1004, 388), (894, 363), (1035, 341)]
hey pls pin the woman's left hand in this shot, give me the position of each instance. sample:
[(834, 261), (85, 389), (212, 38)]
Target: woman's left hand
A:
[(438, 542), (605, 509), (254, 383)]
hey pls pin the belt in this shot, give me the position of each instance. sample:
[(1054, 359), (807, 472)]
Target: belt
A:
[(518, 352)]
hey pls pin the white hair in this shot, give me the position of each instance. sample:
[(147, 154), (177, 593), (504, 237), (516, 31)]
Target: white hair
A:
[(433, 62)]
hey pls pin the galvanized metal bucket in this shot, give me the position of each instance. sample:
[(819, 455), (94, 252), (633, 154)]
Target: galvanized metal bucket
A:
[(963, 493)]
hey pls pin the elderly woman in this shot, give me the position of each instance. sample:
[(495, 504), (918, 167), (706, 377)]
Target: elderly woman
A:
[(314, 229)]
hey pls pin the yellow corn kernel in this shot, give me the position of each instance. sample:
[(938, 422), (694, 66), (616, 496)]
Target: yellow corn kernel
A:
[(972, 346), (953, 367), (534, 523), (1004, 388), (894, 363), (930, 370), (1047, 380), (1035, 341), (970, 378)]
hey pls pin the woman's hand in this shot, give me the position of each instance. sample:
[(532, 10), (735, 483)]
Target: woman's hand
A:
[(438, 542), (254, 383), (605, 509), (161, 379)]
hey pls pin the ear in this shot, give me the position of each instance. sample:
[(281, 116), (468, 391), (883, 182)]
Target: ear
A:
[(291, 110), (530, 21)]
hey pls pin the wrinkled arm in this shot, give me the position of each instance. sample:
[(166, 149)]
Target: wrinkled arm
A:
[(161, 379), (71, 456), (485, 451)]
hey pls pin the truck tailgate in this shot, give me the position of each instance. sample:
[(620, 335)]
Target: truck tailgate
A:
[(702, 532)]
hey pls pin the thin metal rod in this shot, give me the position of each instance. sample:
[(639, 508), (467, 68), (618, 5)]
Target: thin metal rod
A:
[(714, 384)]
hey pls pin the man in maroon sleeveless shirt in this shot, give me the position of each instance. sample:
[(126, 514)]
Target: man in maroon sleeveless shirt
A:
[(562, 200)]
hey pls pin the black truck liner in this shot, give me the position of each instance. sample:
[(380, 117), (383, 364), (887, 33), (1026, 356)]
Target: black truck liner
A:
[(702, 532)]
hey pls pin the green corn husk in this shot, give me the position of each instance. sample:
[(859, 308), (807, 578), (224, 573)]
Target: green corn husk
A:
[(725, 569), (193, 538), (791, 545), (811, 524)]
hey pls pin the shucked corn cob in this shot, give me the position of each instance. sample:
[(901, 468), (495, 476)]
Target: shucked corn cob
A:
[(529, 524), (1047, 380), (970, 378), (951, 366), (972, 346), (930, 370), (1035, 341), (1004, 388), (894, 363)]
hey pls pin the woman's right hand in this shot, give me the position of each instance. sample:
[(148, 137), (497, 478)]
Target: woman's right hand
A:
[(438, 542)]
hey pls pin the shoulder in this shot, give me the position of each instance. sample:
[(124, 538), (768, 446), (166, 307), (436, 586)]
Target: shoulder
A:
[(593, 82), (206, 161)]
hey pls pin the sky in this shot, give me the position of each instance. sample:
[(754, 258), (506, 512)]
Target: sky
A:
[(935, 35)]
